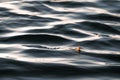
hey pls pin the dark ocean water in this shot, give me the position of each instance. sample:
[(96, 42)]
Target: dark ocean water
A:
[(37, 40)]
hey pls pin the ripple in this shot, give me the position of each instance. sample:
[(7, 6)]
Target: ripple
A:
[(43, 38), (46, 69), (112, 56), (46, 53), (99, 27), (102, 44), (103, 16), (38, 39), (69, 3), (3, 9)]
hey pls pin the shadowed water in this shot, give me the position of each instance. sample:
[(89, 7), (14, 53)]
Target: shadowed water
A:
[(38, 38)]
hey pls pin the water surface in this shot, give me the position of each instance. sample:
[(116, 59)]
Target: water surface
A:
[(37, 39)]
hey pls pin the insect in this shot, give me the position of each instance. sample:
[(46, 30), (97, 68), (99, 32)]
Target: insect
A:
[(78, 49)]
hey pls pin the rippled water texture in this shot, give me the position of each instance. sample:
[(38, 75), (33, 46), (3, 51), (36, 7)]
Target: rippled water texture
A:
[(37, 40)]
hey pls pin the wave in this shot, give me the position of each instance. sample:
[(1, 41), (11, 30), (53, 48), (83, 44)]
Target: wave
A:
[(38, 40)]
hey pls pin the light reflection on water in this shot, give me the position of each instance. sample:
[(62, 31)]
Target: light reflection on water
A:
[(38, 38)]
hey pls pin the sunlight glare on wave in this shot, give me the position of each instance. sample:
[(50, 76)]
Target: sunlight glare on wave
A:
[(74, 0)]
